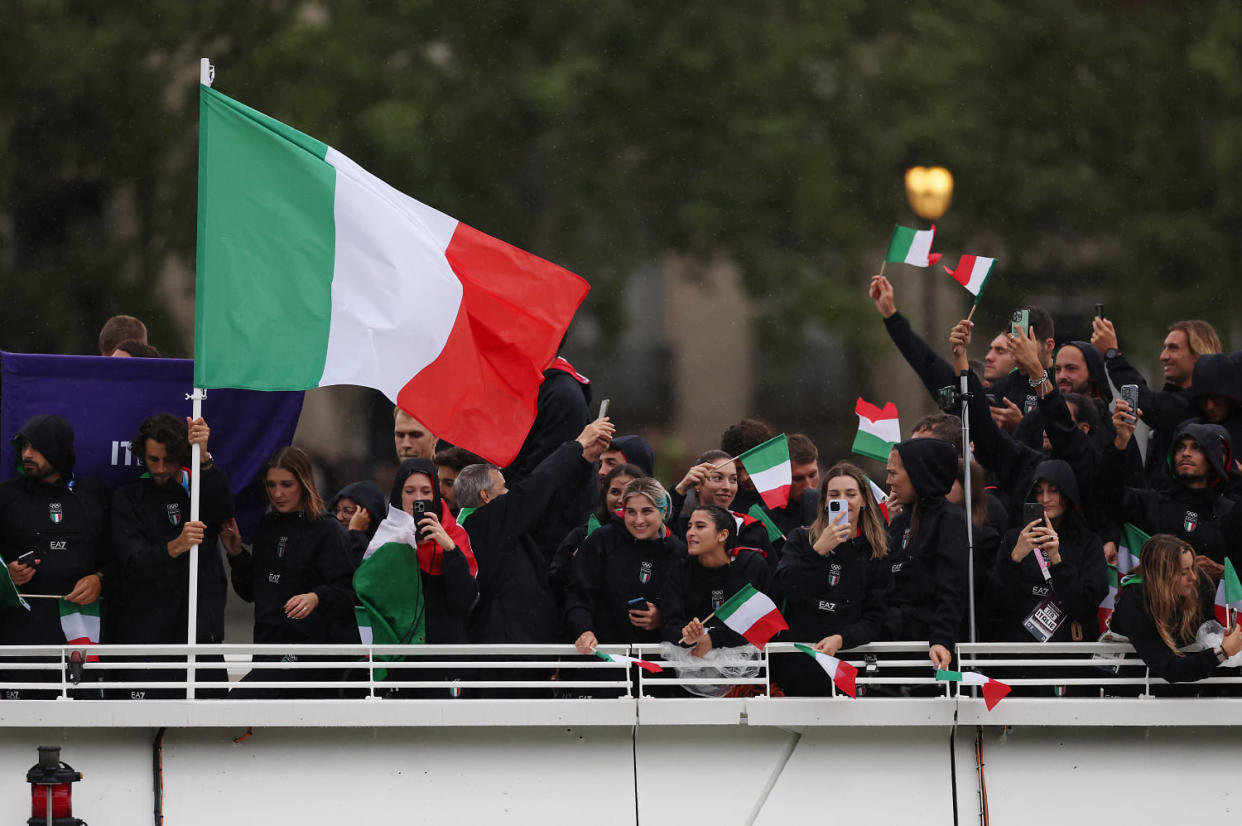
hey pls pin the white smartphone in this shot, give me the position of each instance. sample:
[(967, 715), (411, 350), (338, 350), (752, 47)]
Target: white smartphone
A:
[(603, 408), (838, 512)]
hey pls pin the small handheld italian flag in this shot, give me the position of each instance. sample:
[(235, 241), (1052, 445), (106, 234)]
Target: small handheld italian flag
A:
[(993, 690), (9, 598), (753, 615), (1105, 614), (841, 672), (972, 273), (878, 429), (1228, 595), (645, 665), (80, 624), (881, 498), (770, 469), (912, 246), (1132, 542)]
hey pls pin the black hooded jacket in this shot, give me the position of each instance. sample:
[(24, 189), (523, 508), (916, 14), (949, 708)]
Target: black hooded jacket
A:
[(928, 561), (1200, 516), (610, 569), (369, 496), (145, 518), (449, 595), (1216, 375), (1078, 582), (65, 523), (637, 451)]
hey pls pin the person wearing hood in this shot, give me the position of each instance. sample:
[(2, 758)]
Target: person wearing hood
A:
[(446, 563), (1192, 506), (54, 537), (1215, 394), (152, 533), (715, 479), (360, 507), (835, 580), (1050, 575), (629, 449), (927, 548), (1079, 368)]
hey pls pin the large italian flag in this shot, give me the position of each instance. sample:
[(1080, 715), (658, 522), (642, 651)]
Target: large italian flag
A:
[(753, 615), (80, 624), (1228, 594), (1132, 541), (313, 272), (878, 429), (770, 470), (912, 246)]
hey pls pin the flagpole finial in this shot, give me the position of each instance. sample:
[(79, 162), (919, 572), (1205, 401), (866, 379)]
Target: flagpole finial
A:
[(206, 72)]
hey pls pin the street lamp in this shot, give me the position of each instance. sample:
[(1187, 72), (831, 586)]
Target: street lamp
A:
[(929, 191)]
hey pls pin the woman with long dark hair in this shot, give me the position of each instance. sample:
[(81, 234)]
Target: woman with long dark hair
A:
[(835, 580), (714, 478), (1160, 607)]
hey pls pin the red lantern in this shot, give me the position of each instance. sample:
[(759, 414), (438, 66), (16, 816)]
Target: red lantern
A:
[(51, 790)]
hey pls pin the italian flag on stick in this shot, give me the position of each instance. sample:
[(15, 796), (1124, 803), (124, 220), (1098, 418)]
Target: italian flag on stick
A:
[(1228, 595), (993, 690), (770, 469), (311, 272), (1132, 542), (80, 624), (972, 273), (842, 673), (1109, 602), (753, 615), (912, 246), (881, 498), (645, 665), (878, 429)]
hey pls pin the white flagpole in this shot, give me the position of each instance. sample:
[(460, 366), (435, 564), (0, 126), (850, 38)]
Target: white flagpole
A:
[(206, 74)]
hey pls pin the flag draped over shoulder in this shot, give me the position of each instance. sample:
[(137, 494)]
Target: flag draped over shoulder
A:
[(313, 272), (389, 585)]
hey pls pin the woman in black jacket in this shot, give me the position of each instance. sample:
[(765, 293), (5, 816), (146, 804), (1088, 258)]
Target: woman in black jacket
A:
[(298, 574), (1050, 576), (610, 502), (714, 479), (1160, 607), (835, 580)]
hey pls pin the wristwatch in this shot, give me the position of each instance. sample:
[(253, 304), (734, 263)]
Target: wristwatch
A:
[(1043, 377), (1219, 651), (1111, 353)]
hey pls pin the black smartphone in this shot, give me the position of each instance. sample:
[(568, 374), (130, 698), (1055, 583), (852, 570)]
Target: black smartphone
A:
[(1129, 394), (636, 604), (1031, 512), (1099, 310), (27, 558), (420, 508)]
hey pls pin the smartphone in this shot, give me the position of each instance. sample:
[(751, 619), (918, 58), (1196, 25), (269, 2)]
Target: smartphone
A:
[(1020, 322), (420, 508), (993, 401), (1032, 511), (1099, 310), (838, 512), (636, 604), (27, 558), (1129, 394), (603, 408)]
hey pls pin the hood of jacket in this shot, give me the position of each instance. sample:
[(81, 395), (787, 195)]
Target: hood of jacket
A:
[(1095, 368), (408, 468), (52, 436), (931, 465), (1059, 473), (1213, 439), (636, 451), (1215, 375), (367, 494)]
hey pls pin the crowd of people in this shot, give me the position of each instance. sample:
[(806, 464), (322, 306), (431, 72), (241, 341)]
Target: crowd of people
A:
[(576, 542)]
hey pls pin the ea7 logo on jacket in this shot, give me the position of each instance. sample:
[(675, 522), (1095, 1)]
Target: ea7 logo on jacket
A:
[(281, 544), (57, 545), (825, 605), (55, 513), (1190, 522), (644, 571), (834, 574), (174, 513)]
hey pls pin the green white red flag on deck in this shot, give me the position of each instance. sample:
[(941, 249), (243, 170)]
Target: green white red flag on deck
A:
[(972, 273), (80, 623), (752, 614), (912, 246), (993, 690), (1109, 603), (878, 429), (645, 665), (1228, 595), (312, 272), (842, 673), (770, 470), (1132, 541)]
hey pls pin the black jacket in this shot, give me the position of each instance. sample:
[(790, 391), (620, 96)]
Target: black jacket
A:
[(1131, 619), (1216, 375), (1079, 582), (636, 450), (515, 602), (930, 578), (293, 555), (845, 592), (610, 569), (369, 496), (1163, 410), (145, 518), (692, 590), (64, 523)]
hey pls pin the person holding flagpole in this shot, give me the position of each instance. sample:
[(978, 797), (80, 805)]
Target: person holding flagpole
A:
[(714, 477), (835, 580)]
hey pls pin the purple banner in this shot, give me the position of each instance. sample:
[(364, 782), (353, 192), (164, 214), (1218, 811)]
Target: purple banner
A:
[(105, 399)]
